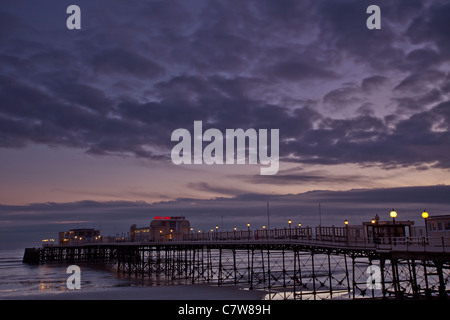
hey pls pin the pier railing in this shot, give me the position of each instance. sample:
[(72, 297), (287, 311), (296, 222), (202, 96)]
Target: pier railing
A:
[(294, 236)]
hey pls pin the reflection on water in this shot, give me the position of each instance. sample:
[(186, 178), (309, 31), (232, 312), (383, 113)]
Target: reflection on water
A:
[(19, 279), (308, 295), (44, 286)]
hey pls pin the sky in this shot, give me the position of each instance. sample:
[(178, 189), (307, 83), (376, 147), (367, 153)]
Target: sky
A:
[(86, 116)]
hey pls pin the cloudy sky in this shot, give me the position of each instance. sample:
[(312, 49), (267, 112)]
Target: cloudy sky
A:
[(86, 115)]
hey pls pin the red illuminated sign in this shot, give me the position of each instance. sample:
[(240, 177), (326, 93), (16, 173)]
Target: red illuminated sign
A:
[(168, 218)]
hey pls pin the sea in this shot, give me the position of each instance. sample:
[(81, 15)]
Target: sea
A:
[(21, 281)]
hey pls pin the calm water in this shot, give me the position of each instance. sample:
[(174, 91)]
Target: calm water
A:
[(23, 281), (19, 280)]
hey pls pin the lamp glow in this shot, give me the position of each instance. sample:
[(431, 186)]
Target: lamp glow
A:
[(393, 213)]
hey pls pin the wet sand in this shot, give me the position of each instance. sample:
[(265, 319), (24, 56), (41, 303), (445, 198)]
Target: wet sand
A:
[(178, 292)]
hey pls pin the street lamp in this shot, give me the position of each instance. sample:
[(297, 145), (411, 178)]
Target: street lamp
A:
[(248, 228), (346, 230), (425, 217), (377, 233), (393, 215), (289, 222)]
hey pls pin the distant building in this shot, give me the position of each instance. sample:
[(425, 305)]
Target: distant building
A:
[(48, 242), (387, 229), (169, 228), (438, 229), (139, 234), (161, 229), (79, 236)]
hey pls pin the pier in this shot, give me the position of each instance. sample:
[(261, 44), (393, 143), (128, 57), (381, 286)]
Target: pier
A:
[(287, 263)]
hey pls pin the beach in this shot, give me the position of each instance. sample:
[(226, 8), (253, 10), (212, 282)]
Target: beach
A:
[(178, 292)]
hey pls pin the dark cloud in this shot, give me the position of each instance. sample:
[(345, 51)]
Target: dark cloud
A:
[(432, 26), (419, 81), (211, 188), (372, 83), (425, 195), (122, 85), (423, 58), (343, 29), (126, 62), (299, 70), (316, 177), (342, 97)]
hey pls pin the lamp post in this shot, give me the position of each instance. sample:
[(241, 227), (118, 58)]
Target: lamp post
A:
[(393, 215), (346, 229), (425, 217), (289, 222), (248, 229), (373, 229), (377, 240)]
